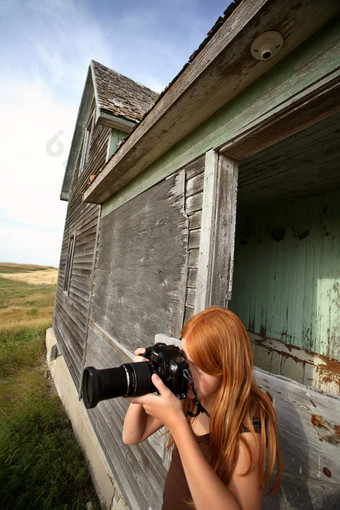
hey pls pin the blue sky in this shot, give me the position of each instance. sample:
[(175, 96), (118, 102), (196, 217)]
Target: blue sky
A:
[(46, 48)]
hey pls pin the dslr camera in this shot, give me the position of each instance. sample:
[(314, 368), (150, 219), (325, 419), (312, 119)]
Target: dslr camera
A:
[(134, 379)]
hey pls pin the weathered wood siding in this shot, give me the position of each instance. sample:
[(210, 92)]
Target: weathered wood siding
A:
[(287, 273), (142, 266), (138, 470), (308, 432), (193, 200), (144, 284), (72, 308)]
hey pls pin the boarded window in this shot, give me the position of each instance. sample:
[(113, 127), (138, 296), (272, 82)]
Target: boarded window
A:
[(69, 261), (140, 283)]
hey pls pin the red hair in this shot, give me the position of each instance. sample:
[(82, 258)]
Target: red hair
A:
[(218, 343)]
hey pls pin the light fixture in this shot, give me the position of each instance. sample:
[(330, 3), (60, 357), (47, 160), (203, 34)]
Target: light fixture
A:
[(267, 45)]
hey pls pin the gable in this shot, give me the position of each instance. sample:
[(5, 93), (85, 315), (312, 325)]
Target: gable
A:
[(116, 101)]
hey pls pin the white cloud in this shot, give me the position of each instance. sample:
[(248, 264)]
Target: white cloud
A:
[(31, 165), (42, 75), (32, 171)]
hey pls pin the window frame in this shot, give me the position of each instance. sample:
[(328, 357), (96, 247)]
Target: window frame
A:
[(86, 142), (69, 263)]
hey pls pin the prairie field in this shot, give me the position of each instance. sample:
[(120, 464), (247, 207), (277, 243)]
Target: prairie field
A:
[(41, 465)]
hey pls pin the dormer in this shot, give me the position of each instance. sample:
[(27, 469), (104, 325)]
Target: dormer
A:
[(109, 99)]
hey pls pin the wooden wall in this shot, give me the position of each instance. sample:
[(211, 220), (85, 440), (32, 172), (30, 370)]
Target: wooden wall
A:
[(194, 199), (145, 282), (72, 308), (287, 272), (142, 266)]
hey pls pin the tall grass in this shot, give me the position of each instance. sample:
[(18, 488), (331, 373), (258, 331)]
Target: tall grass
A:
[(41, 465)]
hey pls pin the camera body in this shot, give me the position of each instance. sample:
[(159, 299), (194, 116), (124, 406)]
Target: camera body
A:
[(134, 379), (169, 363)]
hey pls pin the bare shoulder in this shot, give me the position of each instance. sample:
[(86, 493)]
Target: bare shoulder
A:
[(248, 451), (245, 482)]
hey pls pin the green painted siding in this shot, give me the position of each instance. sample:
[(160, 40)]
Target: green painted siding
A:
[(287, 272)]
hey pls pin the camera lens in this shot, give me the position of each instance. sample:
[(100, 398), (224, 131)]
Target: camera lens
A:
[(131, 379)]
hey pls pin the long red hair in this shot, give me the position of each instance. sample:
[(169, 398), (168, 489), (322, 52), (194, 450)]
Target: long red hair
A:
[(218, 343)]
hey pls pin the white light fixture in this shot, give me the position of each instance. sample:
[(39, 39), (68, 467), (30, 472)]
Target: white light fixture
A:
[(267, 45)]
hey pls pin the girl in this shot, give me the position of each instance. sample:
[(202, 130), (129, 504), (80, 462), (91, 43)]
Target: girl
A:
[(224, 452)]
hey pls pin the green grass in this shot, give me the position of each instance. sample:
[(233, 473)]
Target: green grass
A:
[(41, 464)]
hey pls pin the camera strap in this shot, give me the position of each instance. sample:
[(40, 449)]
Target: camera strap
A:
[(199, 407)]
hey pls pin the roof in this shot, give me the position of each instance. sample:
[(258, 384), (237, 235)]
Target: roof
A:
[(119, 102), (216, 73), (120, 95)]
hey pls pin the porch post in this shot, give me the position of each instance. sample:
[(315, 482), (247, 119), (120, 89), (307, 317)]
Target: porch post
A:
[(216, 252)]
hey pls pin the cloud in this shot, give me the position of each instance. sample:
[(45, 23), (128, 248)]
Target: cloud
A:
[(32, 170), (46, 50), (35, 135)]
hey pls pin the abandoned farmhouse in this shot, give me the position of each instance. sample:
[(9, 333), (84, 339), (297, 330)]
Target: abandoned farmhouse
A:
[(224, 189)]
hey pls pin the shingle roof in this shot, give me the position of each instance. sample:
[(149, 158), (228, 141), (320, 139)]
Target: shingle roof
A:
[(121, 95)]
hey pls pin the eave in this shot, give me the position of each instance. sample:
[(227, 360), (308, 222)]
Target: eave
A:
[(220, 71)]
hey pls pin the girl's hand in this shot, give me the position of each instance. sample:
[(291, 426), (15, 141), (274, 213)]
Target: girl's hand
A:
[(138, 355), (165, 407)]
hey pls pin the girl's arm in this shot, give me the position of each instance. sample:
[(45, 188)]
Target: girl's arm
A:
[(138, 425), (207, 490)]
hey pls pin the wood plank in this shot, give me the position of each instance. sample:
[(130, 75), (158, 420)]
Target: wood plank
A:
[(224, 232), (308, 427), (193, 258), (191, 297), (192, 277), (194, 203), (195, 220), (194, 238), (206, 237), (195, 185), (194, 168)]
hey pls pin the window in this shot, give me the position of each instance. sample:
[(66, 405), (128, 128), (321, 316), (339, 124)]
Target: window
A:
[(69, 262), (116, 138), (86, 142)]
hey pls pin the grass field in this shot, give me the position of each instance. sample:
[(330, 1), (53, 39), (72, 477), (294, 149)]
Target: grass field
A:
[(41, 465)]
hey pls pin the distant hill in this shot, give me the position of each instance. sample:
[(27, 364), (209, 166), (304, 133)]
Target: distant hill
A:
[(29, 273), (11, 267)]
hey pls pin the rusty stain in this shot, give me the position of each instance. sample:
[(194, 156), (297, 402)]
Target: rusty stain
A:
[(329, 364), (331, 437), (317, 421), (302, 235), (278, 234), (327, 472), (329, 368), (313, 403)]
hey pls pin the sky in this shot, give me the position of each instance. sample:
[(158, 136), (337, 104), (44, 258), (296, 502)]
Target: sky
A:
[(46, 48)]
